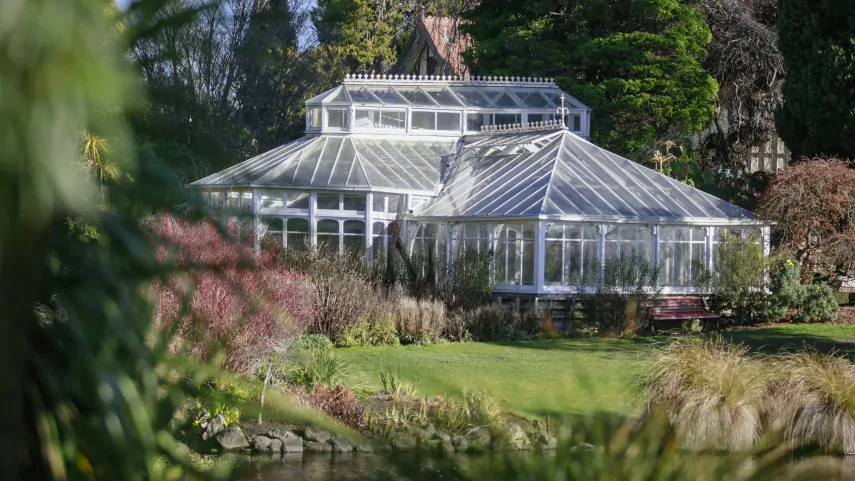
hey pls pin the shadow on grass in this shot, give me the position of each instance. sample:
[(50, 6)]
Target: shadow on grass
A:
[(771, 341), (767, 340), (634, 346)]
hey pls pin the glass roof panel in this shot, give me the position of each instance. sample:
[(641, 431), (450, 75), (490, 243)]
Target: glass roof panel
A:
[(442, 96), (338, 96), (501, 97), (388, 95), (362, 96), (319, 98), (533, 99), (472, 97), (554, 96), (416, 96)]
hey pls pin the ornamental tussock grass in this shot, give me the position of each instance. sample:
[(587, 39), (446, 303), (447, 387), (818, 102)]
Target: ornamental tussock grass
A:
[(814, 400), (711, 392), (394, 386)]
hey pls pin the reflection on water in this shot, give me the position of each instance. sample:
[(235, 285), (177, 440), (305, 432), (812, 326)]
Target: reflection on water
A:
[(317, 467), (348, 467)]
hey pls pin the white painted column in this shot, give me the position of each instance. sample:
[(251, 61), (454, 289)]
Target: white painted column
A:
[(601, 250), (449, 251), (654, 257), (539, 255), (766, 238), (709, 255), (369, 226), (491, 247), (256, 222), (313, 228)]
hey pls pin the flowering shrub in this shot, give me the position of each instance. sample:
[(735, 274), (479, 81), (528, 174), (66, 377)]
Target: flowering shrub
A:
[(242, 305)]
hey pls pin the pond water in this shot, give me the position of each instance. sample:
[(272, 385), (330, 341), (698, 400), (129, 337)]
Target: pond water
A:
[(316, 467), (347, 467), (351, 467)]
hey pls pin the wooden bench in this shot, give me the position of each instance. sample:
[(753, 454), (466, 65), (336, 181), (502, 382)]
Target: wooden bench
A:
[(677, 309)]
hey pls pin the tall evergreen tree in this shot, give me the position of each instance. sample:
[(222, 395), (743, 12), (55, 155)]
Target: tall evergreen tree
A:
[(817, 40), (367, 33), (637, 63), (270, 94)]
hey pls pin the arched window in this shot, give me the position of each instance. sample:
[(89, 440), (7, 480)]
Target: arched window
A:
[(297, 232), (353, 240), (514, 254), (328, 235), (380, 245)]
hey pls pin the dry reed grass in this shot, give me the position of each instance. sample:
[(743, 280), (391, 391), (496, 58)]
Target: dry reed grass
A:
[(712, 392), (813, 401)]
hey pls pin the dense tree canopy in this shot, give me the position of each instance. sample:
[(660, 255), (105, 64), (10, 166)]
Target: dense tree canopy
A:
[(817, 40), (636, 63)]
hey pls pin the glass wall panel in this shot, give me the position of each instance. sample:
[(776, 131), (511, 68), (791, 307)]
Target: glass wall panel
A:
[(337, 118), (682, 255), (747, 234), (571, 254), (448, 121), (395, 202), (272, 199), (424, 120), (354, 202), (367, 118), (471, 239), (474, 121), (514, 254), (314, 117), (393, 119), (540, 117), (297, 199), (378, 203), (328, 201), (624, 241), (504, 119)]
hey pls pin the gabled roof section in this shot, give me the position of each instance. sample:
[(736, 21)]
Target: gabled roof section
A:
[(445, 41), (560, 175), (341, 162)]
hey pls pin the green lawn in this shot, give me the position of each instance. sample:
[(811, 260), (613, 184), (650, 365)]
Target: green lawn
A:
[(533, 378), (563, 376)]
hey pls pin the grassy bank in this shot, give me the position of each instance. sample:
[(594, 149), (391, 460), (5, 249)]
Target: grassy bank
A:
[(540, 378), (533, 378)]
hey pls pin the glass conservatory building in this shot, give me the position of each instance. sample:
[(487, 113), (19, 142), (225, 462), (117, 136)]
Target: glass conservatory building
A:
[(497, 166)]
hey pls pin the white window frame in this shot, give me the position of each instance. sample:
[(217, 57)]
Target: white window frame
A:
[(435, 112), (380, 110)]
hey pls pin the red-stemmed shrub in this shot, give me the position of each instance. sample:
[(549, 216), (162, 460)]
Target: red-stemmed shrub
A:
[(241, 304)]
